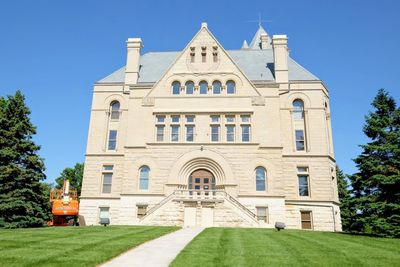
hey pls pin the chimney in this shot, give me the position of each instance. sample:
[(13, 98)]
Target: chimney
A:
[(132, 62), (264, 41), (279, 45)]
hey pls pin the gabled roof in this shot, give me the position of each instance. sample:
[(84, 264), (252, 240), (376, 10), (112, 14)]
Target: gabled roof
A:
[(257, 65)]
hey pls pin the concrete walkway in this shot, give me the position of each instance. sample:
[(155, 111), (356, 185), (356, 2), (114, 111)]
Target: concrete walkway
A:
[(158, 252)]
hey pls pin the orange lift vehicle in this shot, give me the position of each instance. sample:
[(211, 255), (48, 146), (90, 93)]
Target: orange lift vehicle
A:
[(64, 206)]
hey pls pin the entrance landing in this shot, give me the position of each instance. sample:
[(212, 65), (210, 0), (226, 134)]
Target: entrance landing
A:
[(159, 252)]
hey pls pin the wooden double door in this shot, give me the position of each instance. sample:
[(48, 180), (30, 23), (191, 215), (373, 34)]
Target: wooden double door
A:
[(201, 180)]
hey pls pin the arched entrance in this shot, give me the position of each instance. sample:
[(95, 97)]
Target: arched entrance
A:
[(201, 180)]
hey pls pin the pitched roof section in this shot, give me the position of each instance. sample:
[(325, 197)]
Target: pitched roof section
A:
[(257, 65), (256, 41)]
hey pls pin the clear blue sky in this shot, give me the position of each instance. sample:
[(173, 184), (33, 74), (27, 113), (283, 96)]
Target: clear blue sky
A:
[(55, 50)]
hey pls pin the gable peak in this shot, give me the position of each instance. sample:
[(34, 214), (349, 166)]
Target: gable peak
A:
[(256, 42)]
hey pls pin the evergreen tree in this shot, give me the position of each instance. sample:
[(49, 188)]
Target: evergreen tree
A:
[(347, 210), (377, 184), (74, 175), (23, 202)]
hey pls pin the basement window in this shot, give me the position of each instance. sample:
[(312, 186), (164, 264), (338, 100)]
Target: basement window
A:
[(306, 219), (141, 210), (262, 214)]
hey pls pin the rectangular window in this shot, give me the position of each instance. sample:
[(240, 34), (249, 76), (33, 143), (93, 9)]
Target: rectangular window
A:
[(245, 133), (160, 119), (230, 133), (245, 118), (262, 214), (107, 178), (112, 140), (303, 177), (104, 213), (160, 133), (306, 219), (141, 211), (175, 119), (189, 133), (230, 119), (190, 119), (300, 140), (215, 119), (215, 133), (175, 133)]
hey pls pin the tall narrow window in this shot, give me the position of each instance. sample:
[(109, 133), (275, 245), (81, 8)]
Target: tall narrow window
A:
[(215, 54), (189, 88), (160, 133), (215, 133), (176, 88), (245, 133), (203, 54), (192, 54), (112, 140), (303, 177), (300, 140), (203, 87), (115, 106), (107, 178), (175, 133), (144, 172), (189, 128), (230, 133), (298, 109), (306, 219), (189, 133), (216, 87), (261, 176), (230, 87)]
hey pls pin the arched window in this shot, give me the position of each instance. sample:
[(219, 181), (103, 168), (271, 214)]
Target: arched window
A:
[(144, 172), (115, 110), (176, 88), (216, 87), (230, 87), (189, 88), (203, 87), (261, 176), (298, 109)]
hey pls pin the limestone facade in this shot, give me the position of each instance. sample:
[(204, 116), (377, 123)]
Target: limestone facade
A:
[(164, 116)]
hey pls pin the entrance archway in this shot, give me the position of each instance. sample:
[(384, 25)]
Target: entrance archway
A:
[(201, 179)]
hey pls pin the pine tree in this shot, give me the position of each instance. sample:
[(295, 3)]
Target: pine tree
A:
[(23, 202), (377, 183), (347, 209), (74, 175)]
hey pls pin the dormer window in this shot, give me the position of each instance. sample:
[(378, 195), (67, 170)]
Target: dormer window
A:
[(215, 54), (203, 54), (192, 54)]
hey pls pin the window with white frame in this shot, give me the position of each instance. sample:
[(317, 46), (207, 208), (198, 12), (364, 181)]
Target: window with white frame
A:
[(261, 177), (115, 110), (190, 121), (107, 176), (176, 88), (300, 140), (216, 87), (262, 214), (189, 88), (304, 183), (160, 128), (144, 173), (112, 140), (230, 87)]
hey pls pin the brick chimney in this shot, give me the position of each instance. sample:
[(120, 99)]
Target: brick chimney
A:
[(281, 53), (132, 62)]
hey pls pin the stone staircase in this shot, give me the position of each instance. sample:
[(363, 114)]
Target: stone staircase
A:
[(226, 210)]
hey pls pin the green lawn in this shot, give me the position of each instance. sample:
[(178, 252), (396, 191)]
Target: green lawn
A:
[(267, 247), (71, 246)]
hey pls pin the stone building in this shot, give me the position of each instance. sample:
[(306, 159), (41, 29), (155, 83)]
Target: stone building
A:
[(211, 137)]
